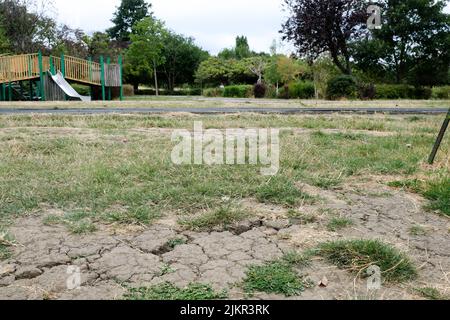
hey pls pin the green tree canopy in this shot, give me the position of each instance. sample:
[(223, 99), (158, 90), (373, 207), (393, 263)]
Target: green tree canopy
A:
[(127, 15)]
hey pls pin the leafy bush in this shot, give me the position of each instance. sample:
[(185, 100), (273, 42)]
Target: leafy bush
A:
[(83, 90), (343, 86), (239, 91), (259, 90), (301, 90), (422, 93), (367, 91), (402, 91), (271, 92), (440, 93), (393, 91), (128, 90), (213, 92)]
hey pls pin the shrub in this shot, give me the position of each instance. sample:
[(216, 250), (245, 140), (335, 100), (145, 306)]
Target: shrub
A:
[(213, 92), (128, 90), (301, 90), (422, 93), (440, 93), (284, 92), (83, 90), (238, 91), (259, 90), (343, 86), (367, 91), (393, 91), (271, 92)]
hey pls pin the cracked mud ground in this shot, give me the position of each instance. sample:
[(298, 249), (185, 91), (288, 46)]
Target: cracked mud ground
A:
[(115, 257)]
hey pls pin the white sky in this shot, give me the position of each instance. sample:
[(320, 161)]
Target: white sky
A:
[(213, 23)]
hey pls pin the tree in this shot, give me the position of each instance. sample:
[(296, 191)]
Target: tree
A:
[(240, 51), (100, 44), (318, 26), (181, 59), (242, 48), (26, 25), (127, 15), (257, 66), (283, 70), (147, 43), (414, 40)]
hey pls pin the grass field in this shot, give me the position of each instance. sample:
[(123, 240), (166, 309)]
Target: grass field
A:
[(201, 102), (84, 172)]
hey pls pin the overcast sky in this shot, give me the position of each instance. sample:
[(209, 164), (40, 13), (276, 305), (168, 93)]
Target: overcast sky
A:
[(213, 23)]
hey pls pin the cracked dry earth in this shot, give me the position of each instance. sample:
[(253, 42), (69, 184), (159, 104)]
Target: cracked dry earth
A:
[(115, 258)]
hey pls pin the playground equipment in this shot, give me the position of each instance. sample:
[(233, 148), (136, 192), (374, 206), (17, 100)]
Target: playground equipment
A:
[(35, 77)]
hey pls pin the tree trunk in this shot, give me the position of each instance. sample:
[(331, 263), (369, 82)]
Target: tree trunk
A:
[(156, 78)]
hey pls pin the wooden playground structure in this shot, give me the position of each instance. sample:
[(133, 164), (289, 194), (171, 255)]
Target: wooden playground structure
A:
[(29, 77)]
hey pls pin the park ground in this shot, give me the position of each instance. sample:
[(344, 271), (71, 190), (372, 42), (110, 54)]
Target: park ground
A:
[(100, 192)]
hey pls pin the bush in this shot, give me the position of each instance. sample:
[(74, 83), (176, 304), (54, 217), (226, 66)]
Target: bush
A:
[(301, 90), (402, 91), (271, 92), (82, 90), (239, 91), (393, 91), (422, 93), (367, 91), (343, 86), (213, 92), (128, 90), (440, 93), (259, 90)]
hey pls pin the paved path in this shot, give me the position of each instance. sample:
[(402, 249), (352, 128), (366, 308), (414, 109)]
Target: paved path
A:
[(68, 111)]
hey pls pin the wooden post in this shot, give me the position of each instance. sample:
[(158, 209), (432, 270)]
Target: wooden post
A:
[(30, 67), (90, 76), (102, 77), (439, 139), (120, 76), (2, 92), (108, 62), (63, 65), (41, 77), (31, 90)]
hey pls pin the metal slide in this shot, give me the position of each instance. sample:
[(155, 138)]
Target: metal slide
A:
[(58, 78)]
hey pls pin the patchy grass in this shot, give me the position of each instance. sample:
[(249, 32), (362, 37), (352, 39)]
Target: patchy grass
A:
[(173, 243), (297, 217), (339, 223), (6, 241), (168, 291), (436, 190), (79, 222), (222, 217), (119, 169), (282, 191), (417, 230), (432, 294), (277, 276), (358, 255)]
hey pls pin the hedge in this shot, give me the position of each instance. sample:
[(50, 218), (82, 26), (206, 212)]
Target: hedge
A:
[(301, 90), (402, 91), (239, 91), (440, 93)]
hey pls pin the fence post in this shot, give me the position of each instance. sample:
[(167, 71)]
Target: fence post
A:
[(120, 77), (102, 77), (439, 139), (108, 62), (52, 65), (2, 92), (41, 77), (63, 65)]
